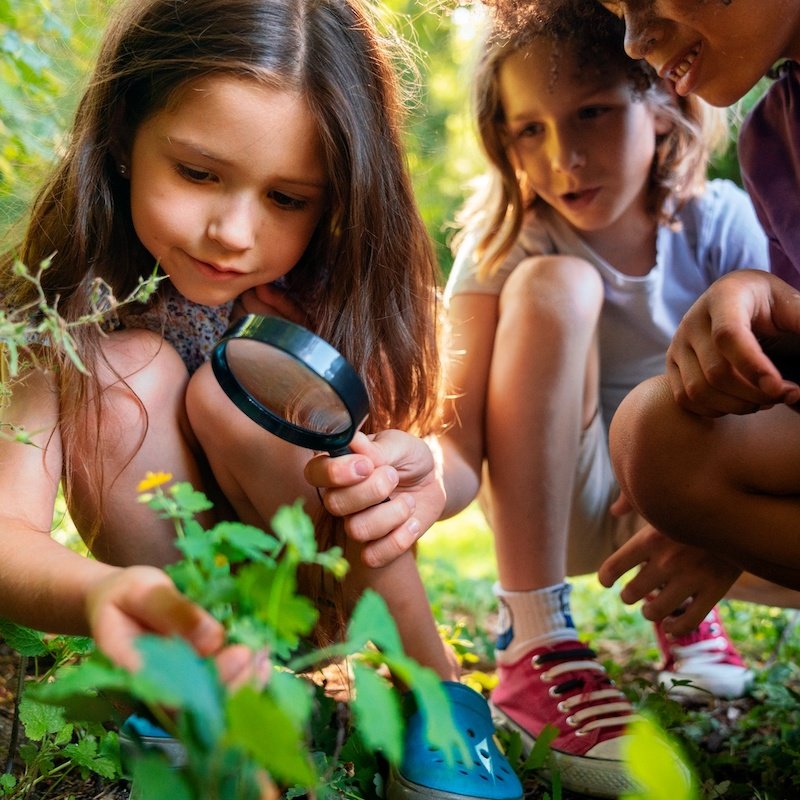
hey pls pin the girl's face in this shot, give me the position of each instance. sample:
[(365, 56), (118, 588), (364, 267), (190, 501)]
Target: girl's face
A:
[(717, 49), (584, 141), (227, 186)]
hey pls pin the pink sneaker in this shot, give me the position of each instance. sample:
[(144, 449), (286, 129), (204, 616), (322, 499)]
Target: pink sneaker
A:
[(566, 687), (707, 657)]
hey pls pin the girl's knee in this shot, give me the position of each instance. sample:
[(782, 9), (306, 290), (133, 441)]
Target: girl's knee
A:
[(140, 363), (556, 286)]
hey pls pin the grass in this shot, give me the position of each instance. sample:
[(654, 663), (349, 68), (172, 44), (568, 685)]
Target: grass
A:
[(748, 748)]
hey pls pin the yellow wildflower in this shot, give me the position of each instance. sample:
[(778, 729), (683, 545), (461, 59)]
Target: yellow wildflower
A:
[(152, 480)]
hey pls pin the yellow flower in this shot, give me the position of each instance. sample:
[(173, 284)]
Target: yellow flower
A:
[(153, 479)]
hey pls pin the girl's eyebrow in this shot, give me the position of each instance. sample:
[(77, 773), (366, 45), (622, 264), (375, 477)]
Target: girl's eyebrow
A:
[(201, 151)]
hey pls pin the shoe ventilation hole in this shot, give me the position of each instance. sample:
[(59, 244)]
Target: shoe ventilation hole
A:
[(470, 733)]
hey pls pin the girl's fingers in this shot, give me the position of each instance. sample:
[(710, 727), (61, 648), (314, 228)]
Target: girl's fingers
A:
[(380, 520), (238, 665), (383, 551), (372, 491), (326, 472)]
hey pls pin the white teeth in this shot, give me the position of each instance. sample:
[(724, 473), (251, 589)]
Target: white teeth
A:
[(677, 72)]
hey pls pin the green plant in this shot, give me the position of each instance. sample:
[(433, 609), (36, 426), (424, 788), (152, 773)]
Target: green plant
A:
[(233, 740), (55, 748)]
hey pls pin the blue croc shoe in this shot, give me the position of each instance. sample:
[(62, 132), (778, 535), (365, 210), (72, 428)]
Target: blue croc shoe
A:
[(425, 773), (138, 734)]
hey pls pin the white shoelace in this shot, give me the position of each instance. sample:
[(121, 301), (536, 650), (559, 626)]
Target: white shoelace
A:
[(600, 709)]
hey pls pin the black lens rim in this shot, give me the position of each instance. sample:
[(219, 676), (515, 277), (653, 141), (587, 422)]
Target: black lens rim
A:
[(315, 354)]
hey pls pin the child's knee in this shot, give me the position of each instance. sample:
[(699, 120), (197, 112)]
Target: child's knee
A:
[(562, 286)]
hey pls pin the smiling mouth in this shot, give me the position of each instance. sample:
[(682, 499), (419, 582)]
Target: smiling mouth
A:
[(676, 72)]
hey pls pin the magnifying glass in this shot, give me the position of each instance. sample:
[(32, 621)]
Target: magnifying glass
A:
[(291, 382)]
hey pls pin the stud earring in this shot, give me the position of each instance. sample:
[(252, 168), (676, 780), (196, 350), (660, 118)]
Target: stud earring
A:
[(123, 170)]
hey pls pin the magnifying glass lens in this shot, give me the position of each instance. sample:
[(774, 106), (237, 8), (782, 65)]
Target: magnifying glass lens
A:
[(287, 387)]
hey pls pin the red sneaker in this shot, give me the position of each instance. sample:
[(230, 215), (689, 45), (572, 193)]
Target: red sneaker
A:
[(566, 687), (707, 657)]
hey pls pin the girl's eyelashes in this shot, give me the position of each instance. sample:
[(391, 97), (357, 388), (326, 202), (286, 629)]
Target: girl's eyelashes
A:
[(530, 129), (193, 174), (526, 131), (287, 202), (592, 112), (282, 200)]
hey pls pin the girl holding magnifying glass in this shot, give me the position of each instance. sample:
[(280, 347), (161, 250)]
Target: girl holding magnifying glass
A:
[(251, 149)]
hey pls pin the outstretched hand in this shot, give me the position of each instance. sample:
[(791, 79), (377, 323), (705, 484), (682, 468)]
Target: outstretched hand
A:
[(391, 464), (678, 583), (137, 600), (716, 364)]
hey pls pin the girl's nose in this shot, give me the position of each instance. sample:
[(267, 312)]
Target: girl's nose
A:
[(566, 154), (233, 224)]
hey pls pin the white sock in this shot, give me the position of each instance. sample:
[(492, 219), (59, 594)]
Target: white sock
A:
[(532, 619)]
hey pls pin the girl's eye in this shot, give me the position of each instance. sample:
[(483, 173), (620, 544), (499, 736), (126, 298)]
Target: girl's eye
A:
[(192, 174), (593, 112), (286, 202), (526, 131)]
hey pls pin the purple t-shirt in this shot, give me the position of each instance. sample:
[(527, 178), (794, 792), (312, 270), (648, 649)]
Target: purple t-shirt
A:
[(769, 154)]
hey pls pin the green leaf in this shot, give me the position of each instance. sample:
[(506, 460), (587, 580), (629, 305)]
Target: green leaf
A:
[(377, 711), (656, 765), (189, 500), (434, 705), (261, 728), (541, 748), (272, 593), (294, 527), (294, 694), (372, 622), (154, 777), (25, 641), (244, 542), (41, 720), (84, 754), (174, 675)]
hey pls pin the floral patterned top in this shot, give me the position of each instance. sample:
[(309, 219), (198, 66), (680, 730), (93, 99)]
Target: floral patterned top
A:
[(192, 329)]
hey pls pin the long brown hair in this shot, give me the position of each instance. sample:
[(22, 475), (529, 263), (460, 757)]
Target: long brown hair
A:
[(494, 213), (368, 277)]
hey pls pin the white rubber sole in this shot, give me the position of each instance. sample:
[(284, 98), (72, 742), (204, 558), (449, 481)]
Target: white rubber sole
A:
[(596, 777)]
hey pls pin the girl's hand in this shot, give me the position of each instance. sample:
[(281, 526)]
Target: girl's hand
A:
[(271, 301), (137, 600), (716, 364), (393, 465), (672, 577)]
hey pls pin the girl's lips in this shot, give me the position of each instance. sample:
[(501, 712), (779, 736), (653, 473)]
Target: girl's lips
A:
[(214, 272), (584, 197)]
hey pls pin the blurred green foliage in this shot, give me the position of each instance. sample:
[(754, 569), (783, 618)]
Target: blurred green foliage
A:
[(45, 49)]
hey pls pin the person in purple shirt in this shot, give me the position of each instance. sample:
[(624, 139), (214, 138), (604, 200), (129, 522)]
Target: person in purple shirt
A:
[(709, 452)]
